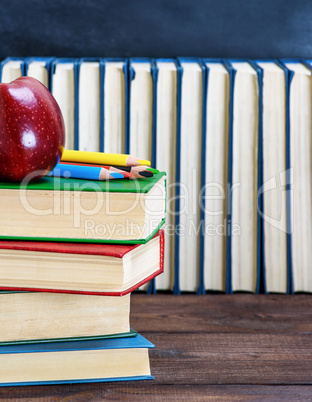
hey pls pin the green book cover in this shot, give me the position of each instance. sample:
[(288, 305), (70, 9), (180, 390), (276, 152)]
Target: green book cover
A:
[(80, 338), (51, 226), (48, 183)]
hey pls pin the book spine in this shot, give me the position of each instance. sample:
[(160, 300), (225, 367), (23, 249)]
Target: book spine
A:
[(71, 381), (232, 73), (201, 283), (290, 288), (154, 72), (125, 70), (76, 79), (260, 242), (102, 105), (176, 287), (261, 232), (131, 76)]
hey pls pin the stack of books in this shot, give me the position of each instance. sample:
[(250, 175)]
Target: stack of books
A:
[(71, 252), (234, 137)]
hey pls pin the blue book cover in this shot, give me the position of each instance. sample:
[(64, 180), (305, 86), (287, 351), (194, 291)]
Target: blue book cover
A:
[(233, 74), (89, 360)]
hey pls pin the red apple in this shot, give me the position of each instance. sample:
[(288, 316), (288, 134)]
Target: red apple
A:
[(32, 132)]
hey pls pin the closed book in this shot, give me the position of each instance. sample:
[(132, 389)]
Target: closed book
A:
[(11, 68), (119, 359), (30, 317), (39, 68), (243, 249), (89, 113), (299, 173), (61, 209), (140, 129), (115, 98), (215, 177), (63, 86), (273, 171), (86, 268), (164, 154), (188, 173)]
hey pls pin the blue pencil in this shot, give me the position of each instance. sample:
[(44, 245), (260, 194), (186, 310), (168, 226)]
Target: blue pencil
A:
[(84, 172)]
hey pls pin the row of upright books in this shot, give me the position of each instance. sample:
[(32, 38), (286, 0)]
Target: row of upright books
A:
[(65, 284), (234, 137)]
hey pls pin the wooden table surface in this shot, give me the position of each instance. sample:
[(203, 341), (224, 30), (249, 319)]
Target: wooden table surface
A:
[(240, 346)]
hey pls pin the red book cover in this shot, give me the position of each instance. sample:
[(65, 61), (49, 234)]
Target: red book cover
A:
[(111, 250)]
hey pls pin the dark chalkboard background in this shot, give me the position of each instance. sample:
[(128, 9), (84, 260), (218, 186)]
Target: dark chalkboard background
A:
[(159, 28)]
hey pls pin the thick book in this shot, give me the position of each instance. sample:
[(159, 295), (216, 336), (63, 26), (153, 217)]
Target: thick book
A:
[(215, 176), (188, 173), (39, 68), (31, 317), (86, 268), (273, 172), (60, 209), (119, 359), (11, 68), (163, 153), (141, 98), (90, 100), (63, 86), (243, 248), (299, 173), (114, 109)]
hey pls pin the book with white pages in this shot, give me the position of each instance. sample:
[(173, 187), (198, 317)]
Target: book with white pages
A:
[(274, 211), (115, 86), (165, 156), (89, 105), (216, 176), (140, 108), (189, 142), (39, 68), (63, 90), (11, 68), (244, 237), (300, 153)]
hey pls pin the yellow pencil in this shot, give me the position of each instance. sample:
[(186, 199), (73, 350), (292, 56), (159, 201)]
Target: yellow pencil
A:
[(102, 158)]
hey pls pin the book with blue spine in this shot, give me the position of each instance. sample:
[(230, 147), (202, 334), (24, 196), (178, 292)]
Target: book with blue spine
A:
[(139, 133), (243, 248), (273, 175), (90, 99), (39, 68), (100, 360), (215, 177), (163, 152), (299, 173), (191, 81), (114, 105), (63, 86), (11, 68)]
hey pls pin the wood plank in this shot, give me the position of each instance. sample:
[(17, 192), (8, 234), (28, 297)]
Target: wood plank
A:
[(146, 390), (231, 358), (238, 313)]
